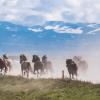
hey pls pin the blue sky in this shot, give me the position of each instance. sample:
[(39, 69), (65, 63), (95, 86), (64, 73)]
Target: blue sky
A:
[(53, 37), (28, 12)]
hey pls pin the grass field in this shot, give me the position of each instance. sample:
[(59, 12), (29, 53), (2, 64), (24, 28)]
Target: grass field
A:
[(17, 88)]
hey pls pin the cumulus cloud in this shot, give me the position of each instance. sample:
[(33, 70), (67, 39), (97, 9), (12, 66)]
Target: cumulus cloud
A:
[(31, 12), (69, 30), (65, 29), (35, 30), (94, 31)]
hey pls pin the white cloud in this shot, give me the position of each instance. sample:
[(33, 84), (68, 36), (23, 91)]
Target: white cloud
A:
[(35, 30), (65, 29), (67, 10), (94, 31), (69, 30), (91, 25), (11, 17), (8, 28), (52, 27)]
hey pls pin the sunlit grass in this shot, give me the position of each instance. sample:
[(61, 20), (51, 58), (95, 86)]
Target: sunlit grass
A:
[(18, 88)]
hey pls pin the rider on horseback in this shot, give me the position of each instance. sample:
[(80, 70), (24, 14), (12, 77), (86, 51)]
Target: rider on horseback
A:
[(7, 62), (5, 56), (5, 59)]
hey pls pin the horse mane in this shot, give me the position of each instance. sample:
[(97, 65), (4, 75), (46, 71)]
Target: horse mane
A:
[(70, 62), (44, 59), (35, 58), (23, 57), (5, 57)]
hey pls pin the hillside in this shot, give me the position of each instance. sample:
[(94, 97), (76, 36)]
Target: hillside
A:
[(17, 88)]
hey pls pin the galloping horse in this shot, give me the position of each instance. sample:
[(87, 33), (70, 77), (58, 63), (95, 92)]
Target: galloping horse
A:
[(38, 65), (25, 65), (3, 66), (47, 64), (7, 63), (72, 68)]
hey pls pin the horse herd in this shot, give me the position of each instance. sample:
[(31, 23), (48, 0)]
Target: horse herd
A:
[(42, 65)]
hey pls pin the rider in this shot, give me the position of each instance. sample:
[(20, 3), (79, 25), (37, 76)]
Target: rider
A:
[(5, 56), (5, 59)]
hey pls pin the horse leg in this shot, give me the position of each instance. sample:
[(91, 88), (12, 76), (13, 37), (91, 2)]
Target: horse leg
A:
[(22, 73), (1, 71), (70, 76), (76, 76), (5, 70), (27, 74), (34, 71), (41, 71), (9, 68), (37, 73), (73, 75)]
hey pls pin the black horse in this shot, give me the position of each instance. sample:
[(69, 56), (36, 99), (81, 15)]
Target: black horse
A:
[(38, 65), (3, 67), (25, 65), (7, 62), (72, 68), (47, 64)]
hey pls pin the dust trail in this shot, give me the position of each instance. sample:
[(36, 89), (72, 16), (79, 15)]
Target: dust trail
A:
[(92, 74), (93, 71)]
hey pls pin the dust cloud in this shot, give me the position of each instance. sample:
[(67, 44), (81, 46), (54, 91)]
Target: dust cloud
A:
[(92, 74)]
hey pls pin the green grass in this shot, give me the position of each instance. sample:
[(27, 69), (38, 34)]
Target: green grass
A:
[(17, 88)]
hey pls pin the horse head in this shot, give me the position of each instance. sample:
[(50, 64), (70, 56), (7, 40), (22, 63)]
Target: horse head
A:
[(77, 58), (69, 61), (35, 58), (22, 58), (44, 59)]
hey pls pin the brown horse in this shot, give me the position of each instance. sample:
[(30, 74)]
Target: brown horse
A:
[(3, 67), (72, 68), (47, 64), (38, 65), (7, 62), (25, 65)]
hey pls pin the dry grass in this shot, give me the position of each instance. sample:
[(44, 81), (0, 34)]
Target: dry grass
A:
[(18, 88)]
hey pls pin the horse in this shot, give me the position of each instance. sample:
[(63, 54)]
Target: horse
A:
[(25, 65), (47, 64), (38, 65), (7, 62), (3, 67), (82, 64), (72, 68)]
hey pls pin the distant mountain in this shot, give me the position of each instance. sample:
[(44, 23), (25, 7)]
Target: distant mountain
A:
[(50, 36)]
